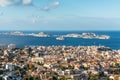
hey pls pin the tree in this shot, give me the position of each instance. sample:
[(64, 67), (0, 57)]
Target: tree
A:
[(62, 79), (93, 76), (70, 67), (62, 67)]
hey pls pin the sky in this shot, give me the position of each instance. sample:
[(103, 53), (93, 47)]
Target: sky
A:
[(59, 15)]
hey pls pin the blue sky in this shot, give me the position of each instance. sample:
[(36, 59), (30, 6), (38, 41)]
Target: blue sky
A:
[(59, 15)]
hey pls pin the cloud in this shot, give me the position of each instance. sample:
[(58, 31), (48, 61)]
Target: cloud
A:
[(4, 3), (27, 2), (50, 6), (54, 4)]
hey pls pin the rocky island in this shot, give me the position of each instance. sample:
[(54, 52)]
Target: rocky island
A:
[(41, 34), (87, 36)]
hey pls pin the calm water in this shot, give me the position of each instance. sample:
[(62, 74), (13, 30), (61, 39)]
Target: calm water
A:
[(21, 41)]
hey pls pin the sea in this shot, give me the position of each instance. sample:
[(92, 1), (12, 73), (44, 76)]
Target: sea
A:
[(21, 41)]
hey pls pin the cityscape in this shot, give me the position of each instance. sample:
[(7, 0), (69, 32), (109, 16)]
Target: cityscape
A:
[(59, 63), (59, 40)]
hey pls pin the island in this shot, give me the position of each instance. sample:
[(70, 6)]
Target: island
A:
[(61, 37), (87, 36), (41, 34), (17, 33)]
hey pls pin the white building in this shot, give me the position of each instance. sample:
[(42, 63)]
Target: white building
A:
[(38, 59), (47, 65)]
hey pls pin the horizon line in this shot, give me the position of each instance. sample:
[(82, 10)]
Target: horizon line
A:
[(59, 30)]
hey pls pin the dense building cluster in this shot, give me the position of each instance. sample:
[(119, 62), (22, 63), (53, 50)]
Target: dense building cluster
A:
[(59, 63)]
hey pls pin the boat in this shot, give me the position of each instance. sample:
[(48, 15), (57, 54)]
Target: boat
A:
[(60, 38)]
